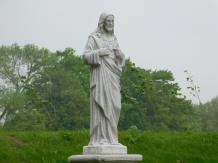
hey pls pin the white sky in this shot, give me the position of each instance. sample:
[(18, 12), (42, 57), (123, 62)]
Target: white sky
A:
[(156, 34)]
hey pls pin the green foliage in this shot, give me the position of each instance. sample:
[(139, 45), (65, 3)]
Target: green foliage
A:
[(55, 86), (56, 147), (59, 93), (194, 90), (207, 115), (152, 101), (134, 134), (27, 120), (18, 67)]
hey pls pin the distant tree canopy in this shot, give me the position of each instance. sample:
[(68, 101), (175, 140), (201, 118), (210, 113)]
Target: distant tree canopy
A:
[(207, 115), (42, 90)]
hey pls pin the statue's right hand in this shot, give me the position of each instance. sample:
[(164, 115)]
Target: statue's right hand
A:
[(105, 52)]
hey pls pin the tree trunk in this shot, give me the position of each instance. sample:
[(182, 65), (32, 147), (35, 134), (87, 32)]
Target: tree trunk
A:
[(3, 114)]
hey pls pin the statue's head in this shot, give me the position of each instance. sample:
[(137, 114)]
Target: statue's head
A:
[(106, 23)]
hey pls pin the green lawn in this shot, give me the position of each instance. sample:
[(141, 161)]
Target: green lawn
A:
[(156, 147)]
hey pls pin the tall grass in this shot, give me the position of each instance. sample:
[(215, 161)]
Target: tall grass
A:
[(156, 147)]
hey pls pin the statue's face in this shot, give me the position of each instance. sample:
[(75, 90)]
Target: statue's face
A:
[(109, 24)]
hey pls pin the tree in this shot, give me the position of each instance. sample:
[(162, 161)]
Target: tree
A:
[(60, 91), (50, 90), (152, 100), (207, 115), (18, 67)]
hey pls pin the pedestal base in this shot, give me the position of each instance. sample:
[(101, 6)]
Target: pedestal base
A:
[(104, 149), (105, 154), (112, 158)]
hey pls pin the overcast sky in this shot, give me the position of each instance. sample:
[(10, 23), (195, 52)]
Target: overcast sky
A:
[(174, 35)]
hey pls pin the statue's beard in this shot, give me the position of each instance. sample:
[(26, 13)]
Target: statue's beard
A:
[(108, 29)]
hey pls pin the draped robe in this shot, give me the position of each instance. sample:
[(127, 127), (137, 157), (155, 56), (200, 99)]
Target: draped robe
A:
[(105, 97)]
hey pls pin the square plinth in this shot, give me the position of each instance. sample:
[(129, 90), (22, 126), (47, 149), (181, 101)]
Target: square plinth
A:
[(104, 149), (123, 158)]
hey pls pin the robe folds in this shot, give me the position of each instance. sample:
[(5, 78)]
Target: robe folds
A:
[(105, 97)]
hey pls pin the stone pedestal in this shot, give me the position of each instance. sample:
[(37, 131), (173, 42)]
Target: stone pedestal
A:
[(105, 158), (104, 149), (105, 154)]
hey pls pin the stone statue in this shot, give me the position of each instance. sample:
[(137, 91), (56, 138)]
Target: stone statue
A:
[(103, 54), (106, 60)]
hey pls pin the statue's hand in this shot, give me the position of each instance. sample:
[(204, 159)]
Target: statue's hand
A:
[(118, 53), (105, 52)]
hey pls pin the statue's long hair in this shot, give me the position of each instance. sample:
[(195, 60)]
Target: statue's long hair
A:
[(100, 28)]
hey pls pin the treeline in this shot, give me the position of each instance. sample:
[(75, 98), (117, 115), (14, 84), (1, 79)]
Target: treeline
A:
[(44, 90), (206, 115)]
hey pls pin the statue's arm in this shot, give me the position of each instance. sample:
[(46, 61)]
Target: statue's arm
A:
[(120, 56), (122, 60), (91, 54)]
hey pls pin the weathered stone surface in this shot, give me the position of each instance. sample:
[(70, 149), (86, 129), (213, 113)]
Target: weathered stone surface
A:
[(106, 60), (105, 149), (123, 158)]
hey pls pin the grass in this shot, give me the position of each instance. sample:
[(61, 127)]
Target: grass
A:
[(156, 147)]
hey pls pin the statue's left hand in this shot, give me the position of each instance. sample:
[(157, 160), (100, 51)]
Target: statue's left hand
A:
[(118, 53)]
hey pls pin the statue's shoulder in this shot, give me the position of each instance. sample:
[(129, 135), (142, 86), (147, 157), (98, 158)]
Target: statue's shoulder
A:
[(95, 35)]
